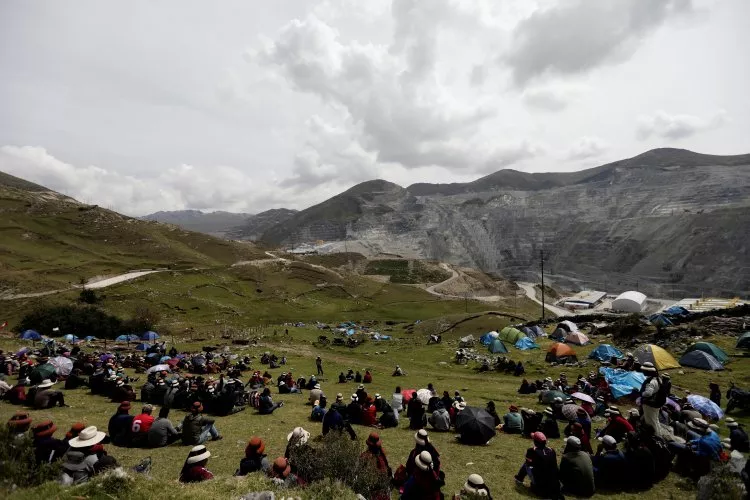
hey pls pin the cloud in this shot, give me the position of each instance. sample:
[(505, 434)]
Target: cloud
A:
[(586, 147), (576, 36), (552, 98), (665, 126), (181, 187)]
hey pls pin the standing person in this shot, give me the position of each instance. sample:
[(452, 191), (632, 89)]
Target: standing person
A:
[(162, 432), (397, 401), (576, 470), (255, 458), (715, 394), (541, 467), (319, 365), (196, 429), (653, 396), (194, 470)]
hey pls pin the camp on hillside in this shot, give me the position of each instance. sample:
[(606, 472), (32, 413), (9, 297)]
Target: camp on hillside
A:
[(701, 360), (150, 336), (31, 335), (577, 338), (70, 338), (559, 334), (660, 320), (661, 359), (711, 349), (560, 353), (525, 344), (511, 335), (744, 341), (605, 352), (497, 347), (568, 326), (487, 338)]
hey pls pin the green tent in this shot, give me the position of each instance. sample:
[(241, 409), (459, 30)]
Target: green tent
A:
[(497, 347), (744, 341), (511, 335), (711, 349)]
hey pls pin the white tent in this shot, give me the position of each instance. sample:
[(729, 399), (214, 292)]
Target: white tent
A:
[(493, 334), (631, 302)]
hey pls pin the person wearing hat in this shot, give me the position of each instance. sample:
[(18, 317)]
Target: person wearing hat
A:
[(18, 426), (367, 379), (197, 429), (617, 426), (194, 470), (737, 436), (715, 393), (375, 455), (319, 410), (339, 405), (315, 394), (733, 458), (492, 410), (361, 394), (297, 442), (354, 411), (120, 425), (255, 458), (335, 421), (654, 394), (16, 395), (531, 421), (319, 365), (162, 432), (416, 414), (641, 465), (474, 487), (281, 474), (440, 420), (541, 467), (45, 397), (609, 465), (424, 482), (576, 470), (695, 457), (422, 440), (512, 421), (74, 469), (549, 425), (89, 442), (47, 449), (74, 431)]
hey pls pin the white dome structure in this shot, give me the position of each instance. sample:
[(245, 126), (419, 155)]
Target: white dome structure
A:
[(630, 301)]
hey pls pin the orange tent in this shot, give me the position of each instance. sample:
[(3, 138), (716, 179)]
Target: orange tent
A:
[(560, 352)]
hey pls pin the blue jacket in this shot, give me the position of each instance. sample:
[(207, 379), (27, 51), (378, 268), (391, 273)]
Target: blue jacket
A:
[(708, 445)]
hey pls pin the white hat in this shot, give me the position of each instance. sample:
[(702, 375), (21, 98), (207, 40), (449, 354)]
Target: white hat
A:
[(459, 405), (714, 428), (360, 387), (648, 366), (317, 386), (634, 412), (46, 383), (557, 400), (573, 441), (354, 397), (731, 422), (475, 485), (629, 354), (698, 424), (300, 435), (87, 437), (548, 411), (198, 454), (608, 440), (119, 383), (424, 460), (727, 443), (421, 437)]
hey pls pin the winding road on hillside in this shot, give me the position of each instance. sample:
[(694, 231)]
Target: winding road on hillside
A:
[(91, 285)]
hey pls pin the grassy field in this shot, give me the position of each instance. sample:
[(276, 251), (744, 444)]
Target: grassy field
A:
[(496, 462), (407, 271)]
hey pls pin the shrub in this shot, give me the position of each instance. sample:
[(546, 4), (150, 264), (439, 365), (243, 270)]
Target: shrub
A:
[(80, 320), (720, 483), (18, 467), (88, 297)]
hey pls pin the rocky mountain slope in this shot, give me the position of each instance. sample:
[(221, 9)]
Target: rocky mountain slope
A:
[(213, 223), (670, 222), (253, 227)]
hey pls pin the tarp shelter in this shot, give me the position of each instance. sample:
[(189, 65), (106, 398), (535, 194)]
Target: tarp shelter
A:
[(559, 334), (31, 335), (467, 341), (661, 359), (486, 339), (631, 302), (497, 347), (660, 320), (744, 341), (142, 347), (605, 352), (577, 338), (546, 397), (525, 344), (677, 311), (701, 360), (63, 366), (568, 326), (71, 338), (622, 382), (151, 336), (711, 349), (475, 426), (510, 335), (560, 353)]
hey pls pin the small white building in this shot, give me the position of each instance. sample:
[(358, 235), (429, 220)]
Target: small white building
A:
[(630, 302)]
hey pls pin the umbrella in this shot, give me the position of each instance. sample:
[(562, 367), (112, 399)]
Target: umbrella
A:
[(105, 357), (198, 360), (424, 395), (582, 397), (164, 359), (150, 336), (41, 372), (22, 352), (475, 426), (63, 366), (548, 396), (159, 368), (673, 404), (570, 411), (706, 407), (408, 394)]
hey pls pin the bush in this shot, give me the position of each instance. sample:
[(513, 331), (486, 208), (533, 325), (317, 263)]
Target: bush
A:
[(722, 484), (18, 468), (88, 297), (79, 320)]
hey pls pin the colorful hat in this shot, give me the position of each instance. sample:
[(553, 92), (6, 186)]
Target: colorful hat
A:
[(45, 428), (125, 405), (538, 437), (374, 440), (281, 467), (20, 419)]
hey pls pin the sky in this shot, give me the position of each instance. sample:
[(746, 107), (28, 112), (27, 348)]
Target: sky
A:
[(244, 106)]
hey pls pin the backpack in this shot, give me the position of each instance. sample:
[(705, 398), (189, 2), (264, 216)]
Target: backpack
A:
[(254, 399), (659, 398)]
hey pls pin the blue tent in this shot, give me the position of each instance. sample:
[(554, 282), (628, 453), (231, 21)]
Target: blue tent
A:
[(90, 337), (677, 311), (660, 320), (71, 338), (128, 338), (486, 339), (149, 336), (527, 331), (525, 344), (497, 346), (122, 338), (605, 352), (701, 360), (142, 347), (622, 382), (538, 331), (31, 335)]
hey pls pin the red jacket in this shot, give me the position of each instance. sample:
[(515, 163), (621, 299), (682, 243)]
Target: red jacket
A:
[(195, 474), (142, 423), (617, 428), (369, 415)]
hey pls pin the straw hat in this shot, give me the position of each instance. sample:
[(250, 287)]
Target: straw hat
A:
[(648, 367), (300, 435), (698, 424), (197, 407), (339, 397), (88, 437), (424, 460), (198, 454), (608, 440), (475, 485), (548, 411), (281, 467), (633, 412), (574, 442), (255, 445), (727, 443), (731, 423), (459, 405), (317, 386), (46, 383), (354, 397), (421, 437)]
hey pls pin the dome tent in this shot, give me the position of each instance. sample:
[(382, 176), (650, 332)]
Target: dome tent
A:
[(605, 352), (525, 344), (560, 353), (497, 347), (711, 349), (568, 326), (511, 335), (701, 360), (577, 338), (661, 359), (744, 341)]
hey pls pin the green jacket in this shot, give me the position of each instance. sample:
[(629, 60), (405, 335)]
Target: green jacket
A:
[(192, 427), (577, 473)]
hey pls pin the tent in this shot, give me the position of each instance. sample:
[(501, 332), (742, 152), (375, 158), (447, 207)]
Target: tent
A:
[(568, 326), (89, 338), (511, 335), (559, 334), (475, 426), (497, 347), (128, 338), (527, 331), (142, 347), (525, 344), (677, 311), (711, 349), (31, 335), (71, 338), (486, 338), (560, 353), (630, 301), (660, 320), (150, 336), (467, 341), (538, 331), (577, 338), (622, 382), (661, 359), (744, 341), (604, 352), (701, 360)]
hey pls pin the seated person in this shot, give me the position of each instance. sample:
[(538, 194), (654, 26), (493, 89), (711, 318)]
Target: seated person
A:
[(512, 421), (440, 419)]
